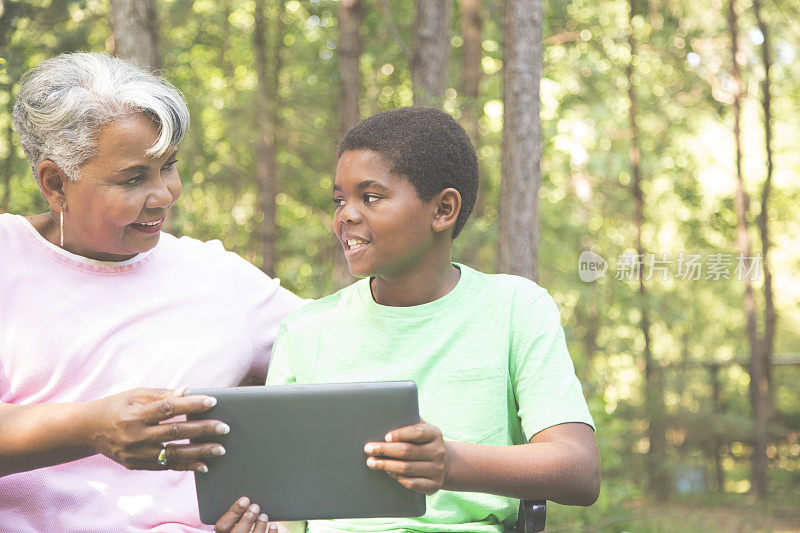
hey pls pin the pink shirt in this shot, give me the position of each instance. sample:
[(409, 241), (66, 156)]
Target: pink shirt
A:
[(186, 313)]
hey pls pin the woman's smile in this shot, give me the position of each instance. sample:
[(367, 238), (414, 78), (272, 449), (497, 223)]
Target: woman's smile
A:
[(153, 226)]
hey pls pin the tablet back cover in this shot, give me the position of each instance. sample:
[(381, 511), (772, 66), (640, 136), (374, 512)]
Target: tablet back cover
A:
[(298, 451)]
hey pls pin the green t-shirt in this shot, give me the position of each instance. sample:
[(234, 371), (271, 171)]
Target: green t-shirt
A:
[(489, 360)]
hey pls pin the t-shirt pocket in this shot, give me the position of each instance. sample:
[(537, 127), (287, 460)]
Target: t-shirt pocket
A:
[(472, 404)]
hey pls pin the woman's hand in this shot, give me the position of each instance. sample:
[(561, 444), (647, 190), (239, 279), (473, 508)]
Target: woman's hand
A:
[(416, 456), (130, 429), (241, 517)]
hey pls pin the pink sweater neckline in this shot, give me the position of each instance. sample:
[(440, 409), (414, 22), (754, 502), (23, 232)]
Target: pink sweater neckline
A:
[(85, 264)]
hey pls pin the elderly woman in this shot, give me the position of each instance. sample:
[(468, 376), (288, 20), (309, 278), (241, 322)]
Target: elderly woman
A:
[(95, 302)]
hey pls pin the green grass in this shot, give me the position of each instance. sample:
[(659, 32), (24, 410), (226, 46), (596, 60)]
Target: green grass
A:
[(708, 513)]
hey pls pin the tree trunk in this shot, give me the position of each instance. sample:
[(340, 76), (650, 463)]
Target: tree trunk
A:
[(471, 55), (5, 199), (351, 14), (657, 473), (431, 55), (225, 43), (770, 315), (5, 28), (471, 69), (134, 28), (518, 240), (758, 460), (134, 24), (719, 471), (266, 107)]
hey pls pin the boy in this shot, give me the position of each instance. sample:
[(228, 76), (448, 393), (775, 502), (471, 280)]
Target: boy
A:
[(504, 415)]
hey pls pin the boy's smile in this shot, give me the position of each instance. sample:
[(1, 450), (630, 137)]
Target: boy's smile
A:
[(383, 225), (352, 244)]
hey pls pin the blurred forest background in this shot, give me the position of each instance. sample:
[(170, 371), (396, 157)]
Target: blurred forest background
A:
[(669, 133)]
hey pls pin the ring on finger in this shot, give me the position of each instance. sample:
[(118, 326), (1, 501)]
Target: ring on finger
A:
[(162, 457)]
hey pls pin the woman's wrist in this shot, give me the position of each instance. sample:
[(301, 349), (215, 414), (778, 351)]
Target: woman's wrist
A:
[(39, 435), (85, 429)]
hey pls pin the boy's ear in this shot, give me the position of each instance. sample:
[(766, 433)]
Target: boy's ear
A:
[(51, 180), (448, 205)]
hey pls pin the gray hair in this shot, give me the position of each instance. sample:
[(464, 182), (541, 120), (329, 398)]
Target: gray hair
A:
[(65, 101)]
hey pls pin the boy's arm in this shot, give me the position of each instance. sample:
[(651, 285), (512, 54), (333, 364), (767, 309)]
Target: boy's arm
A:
[(561, 463)]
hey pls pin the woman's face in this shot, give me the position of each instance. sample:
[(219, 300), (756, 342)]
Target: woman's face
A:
[(115, 209)]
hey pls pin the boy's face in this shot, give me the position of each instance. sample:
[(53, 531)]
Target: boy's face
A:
[(383, 225)]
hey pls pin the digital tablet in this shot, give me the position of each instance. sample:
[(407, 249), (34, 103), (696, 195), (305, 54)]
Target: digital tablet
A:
[(298, 450)]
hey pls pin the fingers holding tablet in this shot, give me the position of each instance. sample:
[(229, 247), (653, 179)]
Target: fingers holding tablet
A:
[(241, 517), (188, 456), (165, 428), (414, 455), (158, 409), (132, 428)]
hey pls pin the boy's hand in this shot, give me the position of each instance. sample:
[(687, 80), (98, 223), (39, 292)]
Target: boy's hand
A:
[(241, 517), (416, 456)]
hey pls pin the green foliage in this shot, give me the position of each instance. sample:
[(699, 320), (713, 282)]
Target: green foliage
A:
[(681, 82)]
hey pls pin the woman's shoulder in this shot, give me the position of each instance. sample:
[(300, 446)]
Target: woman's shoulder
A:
[(326, 308), (188, 244), (196, 251), (8, 234), (13, 232), (10, 223), (209, 259)]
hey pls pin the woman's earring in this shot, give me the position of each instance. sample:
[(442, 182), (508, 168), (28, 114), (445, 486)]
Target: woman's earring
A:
[(61, 227)]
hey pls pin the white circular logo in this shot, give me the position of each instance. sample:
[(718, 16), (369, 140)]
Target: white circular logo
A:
[(591, 266)]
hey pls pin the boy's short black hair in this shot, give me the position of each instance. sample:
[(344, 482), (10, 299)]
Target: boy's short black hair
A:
[(424, 145)]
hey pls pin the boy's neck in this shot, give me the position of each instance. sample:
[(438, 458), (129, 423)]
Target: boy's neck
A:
[(418, 287)]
